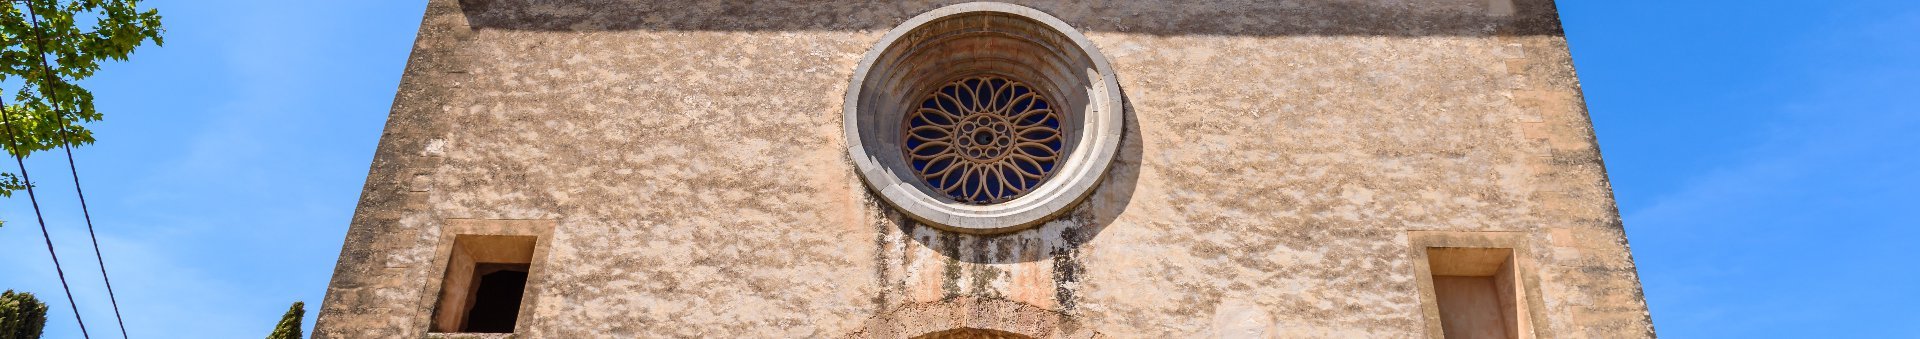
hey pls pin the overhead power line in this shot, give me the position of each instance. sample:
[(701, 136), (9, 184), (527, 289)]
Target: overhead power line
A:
[(20, 160), (64, 134)]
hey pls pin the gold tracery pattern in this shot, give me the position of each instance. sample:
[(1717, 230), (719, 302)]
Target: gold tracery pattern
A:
[(983, 140)]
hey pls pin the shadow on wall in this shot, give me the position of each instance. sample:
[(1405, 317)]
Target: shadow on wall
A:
[(1257, 18)]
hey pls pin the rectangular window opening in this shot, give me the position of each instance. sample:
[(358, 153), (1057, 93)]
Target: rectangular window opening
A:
[(485, 282), (1479, 293)]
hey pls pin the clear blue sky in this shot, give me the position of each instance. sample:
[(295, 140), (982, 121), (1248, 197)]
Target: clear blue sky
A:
[(1762, 152)]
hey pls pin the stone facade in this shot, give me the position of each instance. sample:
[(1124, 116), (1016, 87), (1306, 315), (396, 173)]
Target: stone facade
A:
[(686, 169)]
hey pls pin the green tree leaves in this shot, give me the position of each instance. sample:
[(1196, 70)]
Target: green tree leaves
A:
[(21, 316), (48, 107), (46, 61), (289, 327)]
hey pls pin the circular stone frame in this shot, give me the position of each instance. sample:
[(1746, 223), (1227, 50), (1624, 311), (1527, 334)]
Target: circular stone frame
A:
[(973, 39)]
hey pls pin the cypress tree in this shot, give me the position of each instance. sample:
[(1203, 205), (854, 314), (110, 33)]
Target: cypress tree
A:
[(289, 327), (21, 316)]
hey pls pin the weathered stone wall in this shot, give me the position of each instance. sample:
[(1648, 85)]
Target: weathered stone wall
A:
[(1276, 156)]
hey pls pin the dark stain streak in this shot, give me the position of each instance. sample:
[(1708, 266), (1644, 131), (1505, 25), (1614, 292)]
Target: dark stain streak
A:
[(880, 268), (983, 276), (950, 248), (1067, 268), (1006, 249)]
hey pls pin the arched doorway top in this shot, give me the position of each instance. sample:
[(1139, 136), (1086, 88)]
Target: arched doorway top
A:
[(972, 333), (969, 317)]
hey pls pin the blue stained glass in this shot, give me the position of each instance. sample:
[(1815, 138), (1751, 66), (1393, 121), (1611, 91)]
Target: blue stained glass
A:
[(983, 140)]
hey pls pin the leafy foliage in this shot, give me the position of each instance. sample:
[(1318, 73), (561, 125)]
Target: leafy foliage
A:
[(21, 316), (49, 107), (289, 327)]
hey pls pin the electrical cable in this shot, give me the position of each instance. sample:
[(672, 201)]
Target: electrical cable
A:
[(66, 145), (7, 119)]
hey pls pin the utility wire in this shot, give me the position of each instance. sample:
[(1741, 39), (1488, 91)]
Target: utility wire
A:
[(20, 160), (66, 143)]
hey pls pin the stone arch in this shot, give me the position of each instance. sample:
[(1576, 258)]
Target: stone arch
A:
[(969, 317), (972, 333)]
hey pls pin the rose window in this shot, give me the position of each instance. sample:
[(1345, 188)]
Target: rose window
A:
[(983, 118), (983, 140)]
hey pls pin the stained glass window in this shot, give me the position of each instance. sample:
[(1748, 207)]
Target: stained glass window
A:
[(983, 140)]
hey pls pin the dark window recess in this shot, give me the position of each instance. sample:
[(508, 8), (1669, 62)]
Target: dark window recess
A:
[(485, 283), (496, 303)]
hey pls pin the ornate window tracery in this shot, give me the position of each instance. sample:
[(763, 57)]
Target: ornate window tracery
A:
[(983, 117), (983, 140)]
